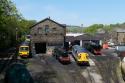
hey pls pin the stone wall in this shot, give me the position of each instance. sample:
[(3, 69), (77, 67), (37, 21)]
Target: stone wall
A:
[(49, 32)]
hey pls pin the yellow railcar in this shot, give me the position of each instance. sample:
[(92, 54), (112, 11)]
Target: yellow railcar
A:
[(24, 50)]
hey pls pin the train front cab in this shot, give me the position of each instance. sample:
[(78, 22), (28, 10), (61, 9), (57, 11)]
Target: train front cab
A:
[(83, 59), (62, 55), (24, 51)]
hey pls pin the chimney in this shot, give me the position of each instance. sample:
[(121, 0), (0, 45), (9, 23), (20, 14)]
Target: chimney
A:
[(49, 17)]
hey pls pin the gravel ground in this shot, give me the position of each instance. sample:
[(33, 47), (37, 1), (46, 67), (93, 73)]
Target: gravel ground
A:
[(46, 69), (41, 72), (109, 68)]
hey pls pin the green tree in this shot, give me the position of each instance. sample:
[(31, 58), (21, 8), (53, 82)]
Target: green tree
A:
[(10, 19), (93, 28), (24, 28)]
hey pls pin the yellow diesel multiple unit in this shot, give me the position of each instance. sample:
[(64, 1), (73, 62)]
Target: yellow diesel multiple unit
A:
[(82, 58), (24, 50)]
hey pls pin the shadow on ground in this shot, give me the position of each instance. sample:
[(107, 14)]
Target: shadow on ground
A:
[(17, 73)]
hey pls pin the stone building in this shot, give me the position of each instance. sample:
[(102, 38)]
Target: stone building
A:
[(47, 33), (120, 36)]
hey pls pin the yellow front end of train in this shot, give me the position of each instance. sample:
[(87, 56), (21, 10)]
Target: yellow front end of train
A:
[(82, 58), (24, 51)]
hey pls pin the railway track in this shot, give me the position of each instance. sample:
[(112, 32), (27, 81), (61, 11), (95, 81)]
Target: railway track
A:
[(86, 74), (6, 58), (90, 73), (4, 62), (71, 73), (75, 72), (64, 73), (108, 67)]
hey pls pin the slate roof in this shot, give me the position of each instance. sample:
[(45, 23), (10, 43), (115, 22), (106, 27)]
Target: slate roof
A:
[(70, 38), (102, 36), (84, 37), (62, 25)]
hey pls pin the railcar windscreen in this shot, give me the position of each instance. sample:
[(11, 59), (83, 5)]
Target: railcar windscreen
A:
[(24, 48)]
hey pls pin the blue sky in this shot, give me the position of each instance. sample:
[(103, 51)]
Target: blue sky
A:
[(74, 12)]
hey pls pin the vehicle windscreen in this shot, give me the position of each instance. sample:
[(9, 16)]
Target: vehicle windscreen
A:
[(64, 54), (97, 47), (81, 50), (24, 49)]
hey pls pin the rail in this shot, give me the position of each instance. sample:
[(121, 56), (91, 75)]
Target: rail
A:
[(5, 61)]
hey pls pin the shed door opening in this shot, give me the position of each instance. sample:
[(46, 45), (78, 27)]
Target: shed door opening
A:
[(40, 47)]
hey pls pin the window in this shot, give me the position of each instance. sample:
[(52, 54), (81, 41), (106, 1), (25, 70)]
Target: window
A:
[(46, 29), (54, 28), (40, 30), (35, 34)]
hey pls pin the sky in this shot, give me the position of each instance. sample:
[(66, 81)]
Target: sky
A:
[(74, 12)]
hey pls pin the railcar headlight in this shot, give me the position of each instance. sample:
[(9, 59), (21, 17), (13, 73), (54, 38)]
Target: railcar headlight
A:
[(79, 57), (79, 54), (87, 57), (20, 53)]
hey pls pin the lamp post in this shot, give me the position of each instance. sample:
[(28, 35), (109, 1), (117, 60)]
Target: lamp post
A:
[(16, 34), (16, 44)]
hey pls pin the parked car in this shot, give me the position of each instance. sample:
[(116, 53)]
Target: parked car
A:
[(120, 49)]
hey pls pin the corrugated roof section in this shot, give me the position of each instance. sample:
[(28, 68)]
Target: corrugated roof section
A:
[(74, 34), (120, 30)]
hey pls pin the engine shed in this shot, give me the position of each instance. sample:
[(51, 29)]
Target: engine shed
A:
[(47, 33)]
